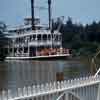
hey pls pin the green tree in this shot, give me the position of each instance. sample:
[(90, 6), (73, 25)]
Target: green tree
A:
[(3, 41)]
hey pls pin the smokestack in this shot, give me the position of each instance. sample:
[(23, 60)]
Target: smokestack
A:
[(49, 12), (32, 14)]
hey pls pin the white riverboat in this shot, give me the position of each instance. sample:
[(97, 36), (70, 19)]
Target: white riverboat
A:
[(37, 44), (35, 41)]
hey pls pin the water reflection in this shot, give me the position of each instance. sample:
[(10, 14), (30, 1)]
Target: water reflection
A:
[(14, 74), (75, 69)]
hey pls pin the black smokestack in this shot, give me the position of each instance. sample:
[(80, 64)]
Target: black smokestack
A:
[(32, 14), (49, 12)]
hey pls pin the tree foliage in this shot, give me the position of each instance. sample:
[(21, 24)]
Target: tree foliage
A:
[(82, 38), (3, 41)]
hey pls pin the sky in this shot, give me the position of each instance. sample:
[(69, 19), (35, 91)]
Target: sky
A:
[(12, 12)]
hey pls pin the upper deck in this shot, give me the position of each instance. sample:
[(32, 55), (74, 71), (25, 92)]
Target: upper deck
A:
[(41, 36), (31, 33)]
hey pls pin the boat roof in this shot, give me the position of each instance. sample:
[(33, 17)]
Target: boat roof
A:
[(36, 32), (22, 27)]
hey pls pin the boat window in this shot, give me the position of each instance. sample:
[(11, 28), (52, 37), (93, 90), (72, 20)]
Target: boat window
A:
[(28, 29), (59, 38), (30, 38), (44, 37), (34, 36), (56, 37), (39, 37), (16, 40), (25, 49), (49, 37)]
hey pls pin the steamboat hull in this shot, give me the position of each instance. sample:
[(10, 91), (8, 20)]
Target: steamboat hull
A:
[(50, 57)]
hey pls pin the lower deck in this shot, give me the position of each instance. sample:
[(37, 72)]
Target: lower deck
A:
[(45, 57)]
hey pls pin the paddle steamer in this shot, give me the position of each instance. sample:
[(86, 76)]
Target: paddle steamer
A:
[(35, 41)]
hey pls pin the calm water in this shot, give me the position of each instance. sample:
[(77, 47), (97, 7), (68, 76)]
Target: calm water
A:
[(15, 74)]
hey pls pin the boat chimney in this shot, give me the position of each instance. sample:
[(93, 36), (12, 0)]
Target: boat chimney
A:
[(49, 12), (32, 14)]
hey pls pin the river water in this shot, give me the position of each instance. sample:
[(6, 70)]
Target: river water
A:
[(14, 74)]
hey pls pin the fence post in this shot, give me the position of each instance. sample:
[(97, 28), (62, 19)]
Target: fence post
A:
[(24, 91), (20, 92), (98, 93), (66, 96), (42, 88), (65, 84), (50, 86), (9, 94), (58, 85), (29, 90), (0, 97), (33, 89), (38, 88), (4, 95), (54, 86), (62, 84), (47, 87)]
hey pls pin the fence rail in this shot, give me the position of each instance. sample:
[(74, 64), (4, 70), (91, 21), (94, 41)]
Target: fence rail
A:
[(49, 88)]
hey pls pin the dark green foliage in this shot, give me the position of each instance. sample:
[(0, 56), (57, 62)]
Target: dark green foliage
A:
[(84, 40), (3, 41)]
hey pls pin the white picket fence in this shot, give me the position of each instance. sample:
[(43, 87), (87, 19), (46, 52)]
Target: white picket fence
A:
[(49, 88)]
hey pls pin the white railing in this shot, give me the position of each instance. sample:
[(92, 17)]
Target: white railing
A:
[(49, 88), (44, 43)]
